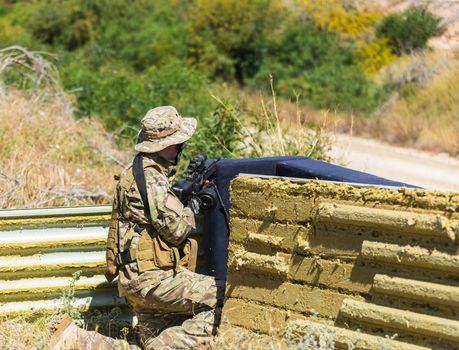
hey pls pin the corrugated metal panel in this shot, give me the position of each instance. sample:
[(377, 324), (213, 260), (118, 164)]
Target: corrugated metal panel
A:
[(40, 249)]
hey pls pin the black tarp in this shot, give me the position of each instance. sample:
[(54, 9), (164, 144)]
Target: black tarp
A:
[(215, 232)]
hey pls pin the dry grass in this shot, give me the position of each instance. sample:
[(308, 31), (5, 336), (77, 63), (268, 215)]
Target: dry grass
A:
[(273, 126), (23, 333), (31, 68), (47, 158), (297, 335), (429, 119)]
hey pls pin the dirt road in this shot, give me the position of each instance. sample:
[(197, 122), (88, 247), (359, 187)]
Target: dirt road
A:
[(416, 167)]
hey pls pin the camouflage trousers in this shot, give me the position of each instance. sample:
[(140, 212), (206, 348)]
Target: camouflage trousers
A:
[(175, 310)]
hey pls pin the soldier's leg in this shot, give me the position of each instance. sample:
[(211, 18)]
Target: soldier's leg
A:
[(194, 332), (69, 336), (90, 340), (182, 292), (150, 325), (186, 292)]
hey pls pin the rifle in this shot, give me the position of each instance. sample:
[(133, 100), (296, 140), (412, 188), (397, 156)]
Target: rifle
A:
[(199, 185)]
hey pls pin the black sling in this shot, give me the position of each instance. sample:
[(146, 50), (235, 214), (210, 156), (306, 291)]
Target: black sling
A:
[(139, 177)]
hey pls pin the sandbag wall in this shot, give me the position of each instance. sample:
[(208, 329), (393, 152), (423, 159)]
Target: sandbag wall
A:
[(365, 263)]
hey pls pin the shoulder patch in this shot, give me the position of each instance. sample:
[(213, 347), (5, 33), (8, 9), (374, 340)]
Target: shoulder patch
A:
[(174, 204)]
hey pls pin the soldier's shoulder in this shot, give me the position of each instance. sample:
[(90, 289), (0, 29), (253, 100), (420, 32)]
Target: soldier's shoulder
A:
[(124, 177), (152, 167)]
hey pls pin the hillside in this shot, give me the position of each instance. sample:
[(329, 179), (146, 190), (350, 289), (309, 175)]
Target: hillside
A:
[(48, 158)]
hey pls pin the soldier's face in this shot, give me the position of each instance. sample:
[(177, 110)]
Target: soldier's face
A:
[(170, 152)]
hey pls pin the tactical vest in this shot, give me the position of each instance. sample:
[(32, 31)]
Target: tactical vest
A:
[(133, 240)]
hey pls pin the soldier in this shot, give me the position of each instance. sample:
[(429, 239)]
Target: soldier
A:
[(148, 247)]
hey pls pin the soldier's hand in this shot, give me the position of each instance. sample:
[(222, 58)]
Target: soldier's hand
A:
[(194, 205)]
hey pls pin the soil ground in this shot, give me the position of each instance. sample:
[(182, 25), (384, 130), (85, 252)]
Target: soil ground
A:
[(440, 172)]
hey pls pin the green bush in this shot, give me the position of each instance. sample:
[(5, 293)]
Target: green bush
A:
[(409, 30), (120, 96), (218, 133), (147, 33), (69, 23), (12, 30), (315, 65), (122, 58), (227, 38)]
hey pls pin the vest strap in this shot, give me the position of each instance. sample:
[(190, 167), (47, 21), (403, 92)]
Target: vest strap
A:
[(193, 257)]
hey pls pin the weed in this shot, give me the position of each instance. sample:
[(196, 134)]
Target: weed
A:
[(297, 335), (28, 69), (68, 300), (305, 335), (270, 133)]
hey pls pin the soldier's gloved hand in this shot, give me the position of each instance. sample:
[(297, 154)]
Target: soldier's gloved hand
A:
[(194, 205)]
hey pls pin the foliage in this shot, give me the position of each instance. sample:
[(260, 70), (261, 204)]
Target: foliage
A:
[(26, 331), (12, 29), (122, 97), (147, 33), (68, 300), (70, 23), (408, 31), (47, 158), (228, 37), (351, 20), (233, 132), (273, 138), (219, 133), (122, 58), (108, 322), (343, 17), (418, 68), (315, 65), (375, 54)]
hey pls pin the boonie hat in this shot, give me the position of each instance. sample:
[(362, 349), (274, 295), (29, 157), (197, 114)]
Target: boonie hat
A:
[(161, 127)]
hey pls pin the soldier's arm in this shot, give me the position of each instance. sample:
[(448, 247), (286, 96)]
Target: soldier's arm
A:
[(168, 215)]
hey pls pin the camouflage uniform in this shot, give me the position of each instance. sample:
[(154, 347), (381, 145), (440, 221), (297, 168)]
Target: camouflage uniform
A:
[(176, 307), (165, 299)]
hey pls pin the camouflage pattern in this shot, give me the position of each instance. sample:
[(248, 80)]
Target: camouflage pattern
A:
[(90, 340), (176, 309), (162, 127), (172, 221)]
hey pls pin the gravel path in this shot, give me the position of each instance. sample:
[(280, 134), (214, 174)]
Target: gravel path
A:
[(424, 169)]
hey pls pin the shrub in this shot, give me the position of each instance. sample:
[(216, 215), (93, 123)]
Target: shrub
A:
[(408, 31), (147, 33), (375, 54), (11, 30), (343, 17), (121, 97), (114, 94), (70, 23), (219, 132), (227, 38), (316, 66)]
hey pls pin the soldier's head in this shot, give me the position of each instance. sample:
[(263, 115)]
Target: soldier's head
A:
[(165, 132)]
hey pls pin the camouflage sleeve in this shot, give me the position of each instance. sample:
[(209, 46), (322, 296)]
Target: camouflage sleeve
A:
[(168, 215)]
